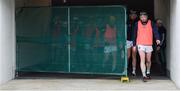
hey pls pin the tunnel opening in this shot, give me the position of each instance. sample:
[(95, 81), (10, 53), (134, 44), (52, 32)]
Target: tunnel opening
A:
[(139, 5)]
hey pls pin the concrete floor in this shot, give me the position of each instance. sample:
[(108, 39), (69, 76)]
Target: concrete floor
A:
[(88, 84)]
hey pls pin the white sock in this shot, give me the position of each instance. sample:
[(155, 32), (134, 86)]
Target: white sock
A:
[(134, 70), (148, 71), (144, 74)]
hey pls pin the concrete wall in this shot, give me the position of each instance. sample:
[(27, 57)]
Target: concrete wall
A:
[(20, 3), (38, 3), (174, 41), (32, 3), (161, 10), (7, 40)]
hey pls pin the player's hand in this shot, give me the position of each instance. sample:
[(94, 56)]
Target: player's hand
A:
[(158, 42), (158, 48)]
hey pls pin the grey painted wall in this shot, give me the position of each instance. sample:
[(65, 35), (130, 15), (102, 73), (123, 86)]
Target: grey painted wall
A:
[(174, 41), (7, 40)]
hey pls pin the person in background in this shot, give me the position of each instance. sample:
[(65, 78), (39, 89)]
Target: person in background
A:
[(131, 50), (110, 37), (160, 49)]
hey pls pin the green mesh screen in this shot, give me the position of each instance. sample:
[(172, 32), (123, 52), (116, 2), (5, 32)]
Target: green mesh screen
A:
[(86, 40)]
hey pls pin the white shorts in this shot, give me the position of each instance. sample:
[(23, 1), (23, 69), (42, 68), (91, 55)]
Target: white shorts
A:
[(110, 48), (146, 49), (129, 44)]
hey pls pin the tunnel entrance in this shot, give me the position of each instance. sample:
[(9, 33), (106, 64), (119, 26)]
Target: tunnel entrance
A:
[(139, 5)]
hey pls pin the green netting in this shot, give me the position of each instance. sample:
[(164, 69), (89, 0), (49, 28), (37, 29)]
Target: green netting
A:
[(72, 40)]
